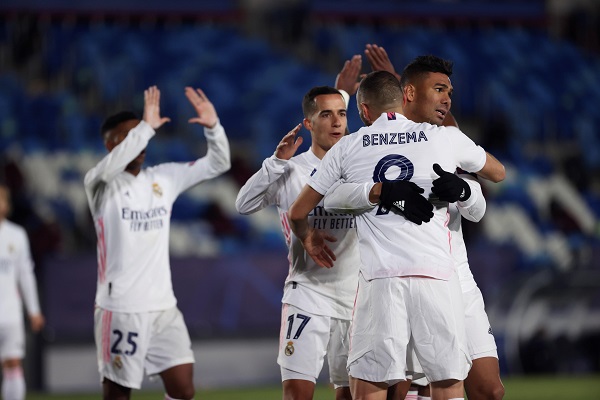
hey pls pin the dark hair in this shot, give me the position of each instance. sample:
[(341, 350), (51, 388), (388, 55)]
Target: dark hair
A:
[(114, 120), (380, 89), (423, 65), (309, 105)]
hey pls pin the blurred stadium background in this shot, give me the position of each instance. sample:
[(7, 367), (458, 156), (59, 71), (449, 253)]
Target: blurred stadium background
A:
[(526, 84)]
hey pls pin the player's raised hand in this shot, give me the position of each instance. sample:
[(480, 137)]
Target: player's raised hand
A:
[(152, 108), (315, 246), (347, 79), (207, 115), (379, 60), (289, 144)]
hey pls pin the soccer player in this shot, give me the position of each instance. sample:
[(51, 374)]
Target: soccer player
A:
[(426, 91), (17, 282), (317, 302), (407, 281), (137, 323)]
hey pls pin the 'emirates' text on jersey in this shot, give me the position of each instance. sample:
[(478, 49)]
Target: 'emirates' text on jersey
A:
[(322, 291), (132, 217), (390, 245)]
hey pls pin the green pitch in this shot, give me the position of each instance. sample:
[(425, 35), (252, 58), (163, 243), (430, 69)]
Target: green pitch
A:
[(517, 388)]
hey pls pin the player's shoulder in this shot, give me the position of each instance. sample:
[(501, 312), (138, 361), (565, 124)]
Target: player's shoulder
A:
[(14, 228)]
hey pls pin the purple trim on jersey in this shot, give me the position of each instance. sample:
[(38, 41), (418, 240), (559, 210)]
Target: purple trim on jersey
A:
[(391, 116)]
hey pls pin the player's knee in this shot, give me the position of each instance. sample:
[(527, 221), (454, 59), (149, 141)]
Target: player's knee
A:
[(489, 392), (497, 392)]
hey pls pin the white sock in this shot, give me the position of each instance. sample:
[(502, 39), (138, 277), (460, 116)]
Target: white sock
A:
[(423, 398), (167, 397), (13, 384), (412, 395), (457, 398)]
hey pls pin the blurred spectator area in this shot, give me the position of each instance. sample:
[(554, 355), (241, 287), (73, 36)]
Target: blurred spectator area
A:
[(525, 92)]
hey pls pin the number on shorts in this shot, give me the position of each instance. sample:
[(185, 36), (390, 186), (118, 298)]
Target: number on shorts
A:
[(130, 336), (304, 318)]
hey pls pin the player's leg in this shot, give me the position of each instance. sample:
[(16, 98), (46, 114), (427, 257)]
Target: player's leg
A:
[(437, 320), (178, 382), (399, 391), (12, 351), (337, 358), (379, 337), (365, 390), (114, 391), (483, 381), (13, 381), (121, 346), (424, 392), (303, 344), (170, 354)]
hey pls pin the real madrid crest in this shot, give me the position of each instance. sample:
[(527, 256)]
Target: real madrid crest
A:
[(117, 362), (157, 190), (289, 349)]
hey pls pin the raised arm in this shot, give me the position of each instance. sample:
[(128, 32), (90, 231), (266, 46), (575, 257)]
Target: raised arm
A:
[(217, 159), (474, 207), (379, 60), (347, 79), (261, 189), (493, 169)]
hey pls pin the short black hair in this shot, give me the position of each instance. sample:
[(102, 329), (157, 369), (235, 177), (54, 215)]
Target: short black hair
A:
[(309, 105), (380, 89), (423, 65), (114, 120)]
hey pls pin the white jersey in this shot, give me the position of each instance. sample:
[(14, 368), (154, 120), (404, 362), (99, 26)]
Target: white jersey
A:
[(354, 198), (395, 148), (132, 218), (16, 275), (321, 291)]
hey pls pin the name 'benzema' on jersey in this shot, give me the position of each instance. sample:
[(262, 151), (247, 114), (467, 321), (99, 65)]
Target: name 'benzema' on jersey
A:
[(377, 139)]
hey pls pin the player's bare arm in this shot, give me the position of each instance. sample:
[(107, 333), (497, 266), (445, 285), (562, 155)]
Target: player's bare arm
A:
[(152, 108), (207, 115), (289, 144), (312, 239), (379, 60), (493, 169), (347, 79)]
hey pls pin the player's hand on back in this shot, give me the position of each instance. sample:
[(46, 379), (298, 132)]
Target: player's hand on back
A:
[(152, 108), (347, 79), (449, 187), (289, 144), (379, 60), (315, 246), (207, 115), (406, 198)]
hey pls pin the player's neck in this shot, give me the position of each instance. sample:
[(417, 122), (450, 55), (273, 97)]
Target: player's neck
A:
[(318, 151)]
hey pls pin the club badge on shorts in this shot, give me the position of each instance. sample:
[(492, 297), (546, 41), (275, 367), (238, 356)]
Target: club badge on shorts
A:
[(289, 349), (117, 362)]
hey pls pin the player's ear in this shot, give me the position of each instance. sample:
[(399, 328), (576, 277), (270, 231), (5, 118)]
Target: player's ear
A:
[(366, 112), (409, 92), (307, 124)]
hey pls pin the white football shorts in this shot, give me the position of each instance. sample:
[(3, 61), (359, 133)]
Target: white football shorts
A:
[(12, 341), (129, 343), (480, 337), (306, 338), (389, 312)]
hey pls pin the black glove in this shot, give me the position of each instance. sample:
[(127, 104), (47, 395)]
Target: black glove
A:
[(449, 187), (405, 196)]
